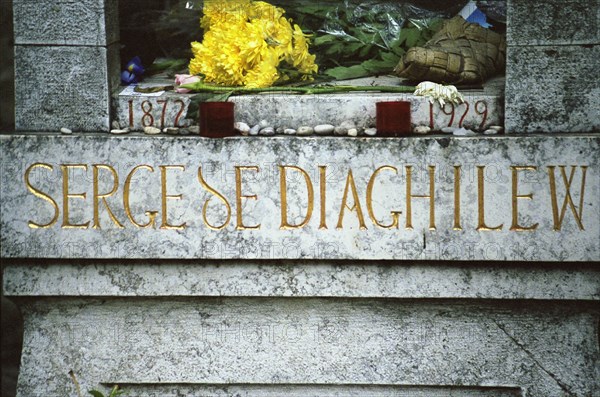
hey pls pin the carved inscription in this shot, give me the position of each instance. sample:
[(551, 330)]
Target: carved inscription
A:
[(566, 187)]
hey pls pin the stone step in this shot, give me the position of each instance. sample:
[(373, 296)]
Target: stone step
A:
[(481, 109)]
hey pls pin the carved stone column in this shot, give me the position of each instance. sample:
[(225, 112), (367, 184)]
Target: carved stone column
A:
[(66, 64), (552, 80)]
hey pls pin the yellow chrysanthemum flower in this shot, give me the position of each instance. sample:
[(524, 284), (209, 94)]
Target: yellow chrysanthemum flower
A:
[(246, 41)]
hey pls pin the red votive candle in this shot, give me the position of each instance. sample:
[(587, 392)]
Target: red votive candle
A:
[(216, 119), (393, 118)]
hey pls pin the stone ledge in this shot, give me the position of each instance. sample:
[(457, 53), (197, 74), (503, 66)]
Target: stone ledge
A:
[(482, 108), (407, 280), (347, 390), (557, 238)]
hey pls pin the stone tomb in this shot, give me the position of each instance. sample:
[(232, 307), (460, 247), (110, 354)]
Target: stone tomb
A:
[(482, 108), (404, 293)]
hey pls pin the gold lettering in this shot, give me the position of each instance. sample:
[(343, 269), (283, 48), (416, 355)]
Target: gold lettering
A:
[(410, 196), (163, 183), (361, 220), (217, 195), (97, 196), (481, 201), (457, 170), (323, 189), (558, 219), (238, 196), (42, 195), (285, 225), (66, 196), (370, 185), (126, 203), (516, 196)]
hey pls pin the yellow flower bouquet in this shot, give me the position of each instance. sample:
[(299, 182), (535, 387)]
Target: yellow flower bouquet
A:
[(250, 44)]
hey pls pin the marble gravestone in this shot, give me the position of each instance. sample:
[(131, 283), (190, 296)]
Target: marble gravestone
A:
[(97, 196), (321, 266)]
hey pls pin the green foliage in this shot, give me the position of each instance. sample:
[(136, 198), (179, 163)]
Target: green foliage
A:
[(353, 40), (169, 66), (115, 392)]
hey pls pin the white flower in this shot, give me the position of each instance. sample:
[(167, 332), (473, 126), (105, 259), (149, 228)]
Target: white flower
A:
[(439, 92)]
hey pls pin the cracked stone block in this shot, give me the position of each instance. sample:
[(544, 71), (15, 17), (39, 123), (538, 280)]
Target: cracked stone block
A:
[(552, 89), (553, 22), (66, 22), (64, 86), (269, 346)]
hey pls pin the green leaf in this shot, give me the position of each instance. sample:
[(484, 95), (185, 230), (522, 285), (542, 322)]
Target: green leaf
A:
[(168, 65), (390, 58), (350, 50), (374, 66), (115, 392), (324, 39), (345, 73), (364, 51), (412, 36), (96, 393), (335, 49)]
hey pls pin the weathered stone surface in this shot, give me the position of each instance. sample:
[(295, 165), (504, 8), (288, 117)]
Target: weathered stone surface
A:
[(339, 346), (348, 235), (55, 87), (66, 22), (555, 22), (483, 108), (552, 89), (271, 390), (336, 108), (302, 279)]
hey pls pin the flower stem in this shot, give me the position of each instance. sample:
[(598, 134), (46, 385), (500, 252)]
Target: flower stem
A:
[(202, 87)]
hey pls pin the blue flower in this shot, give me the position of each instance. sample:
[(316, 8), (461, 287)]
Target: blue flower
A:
[(133, 71), (129, 78), (135, 66)]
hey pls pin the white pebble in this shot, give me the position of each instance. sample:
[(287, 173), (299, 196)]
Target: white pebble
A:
[(352, 132), (194, 129), (267, 131), (324, 129), (254, 130), (463, 132), (347, 124), (151, 130), (118, 131), (448, 130), (304, 131), (243, 128), (421, 129), (171, 130), (263, 124), (371, 131), (340, 130), (65, 131), (289, 131), (496, 128), (490, 132)]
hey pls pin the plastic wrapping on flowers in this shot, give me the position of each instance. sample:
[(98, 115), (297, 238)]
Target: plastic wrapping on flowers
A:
[(258, 44)]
